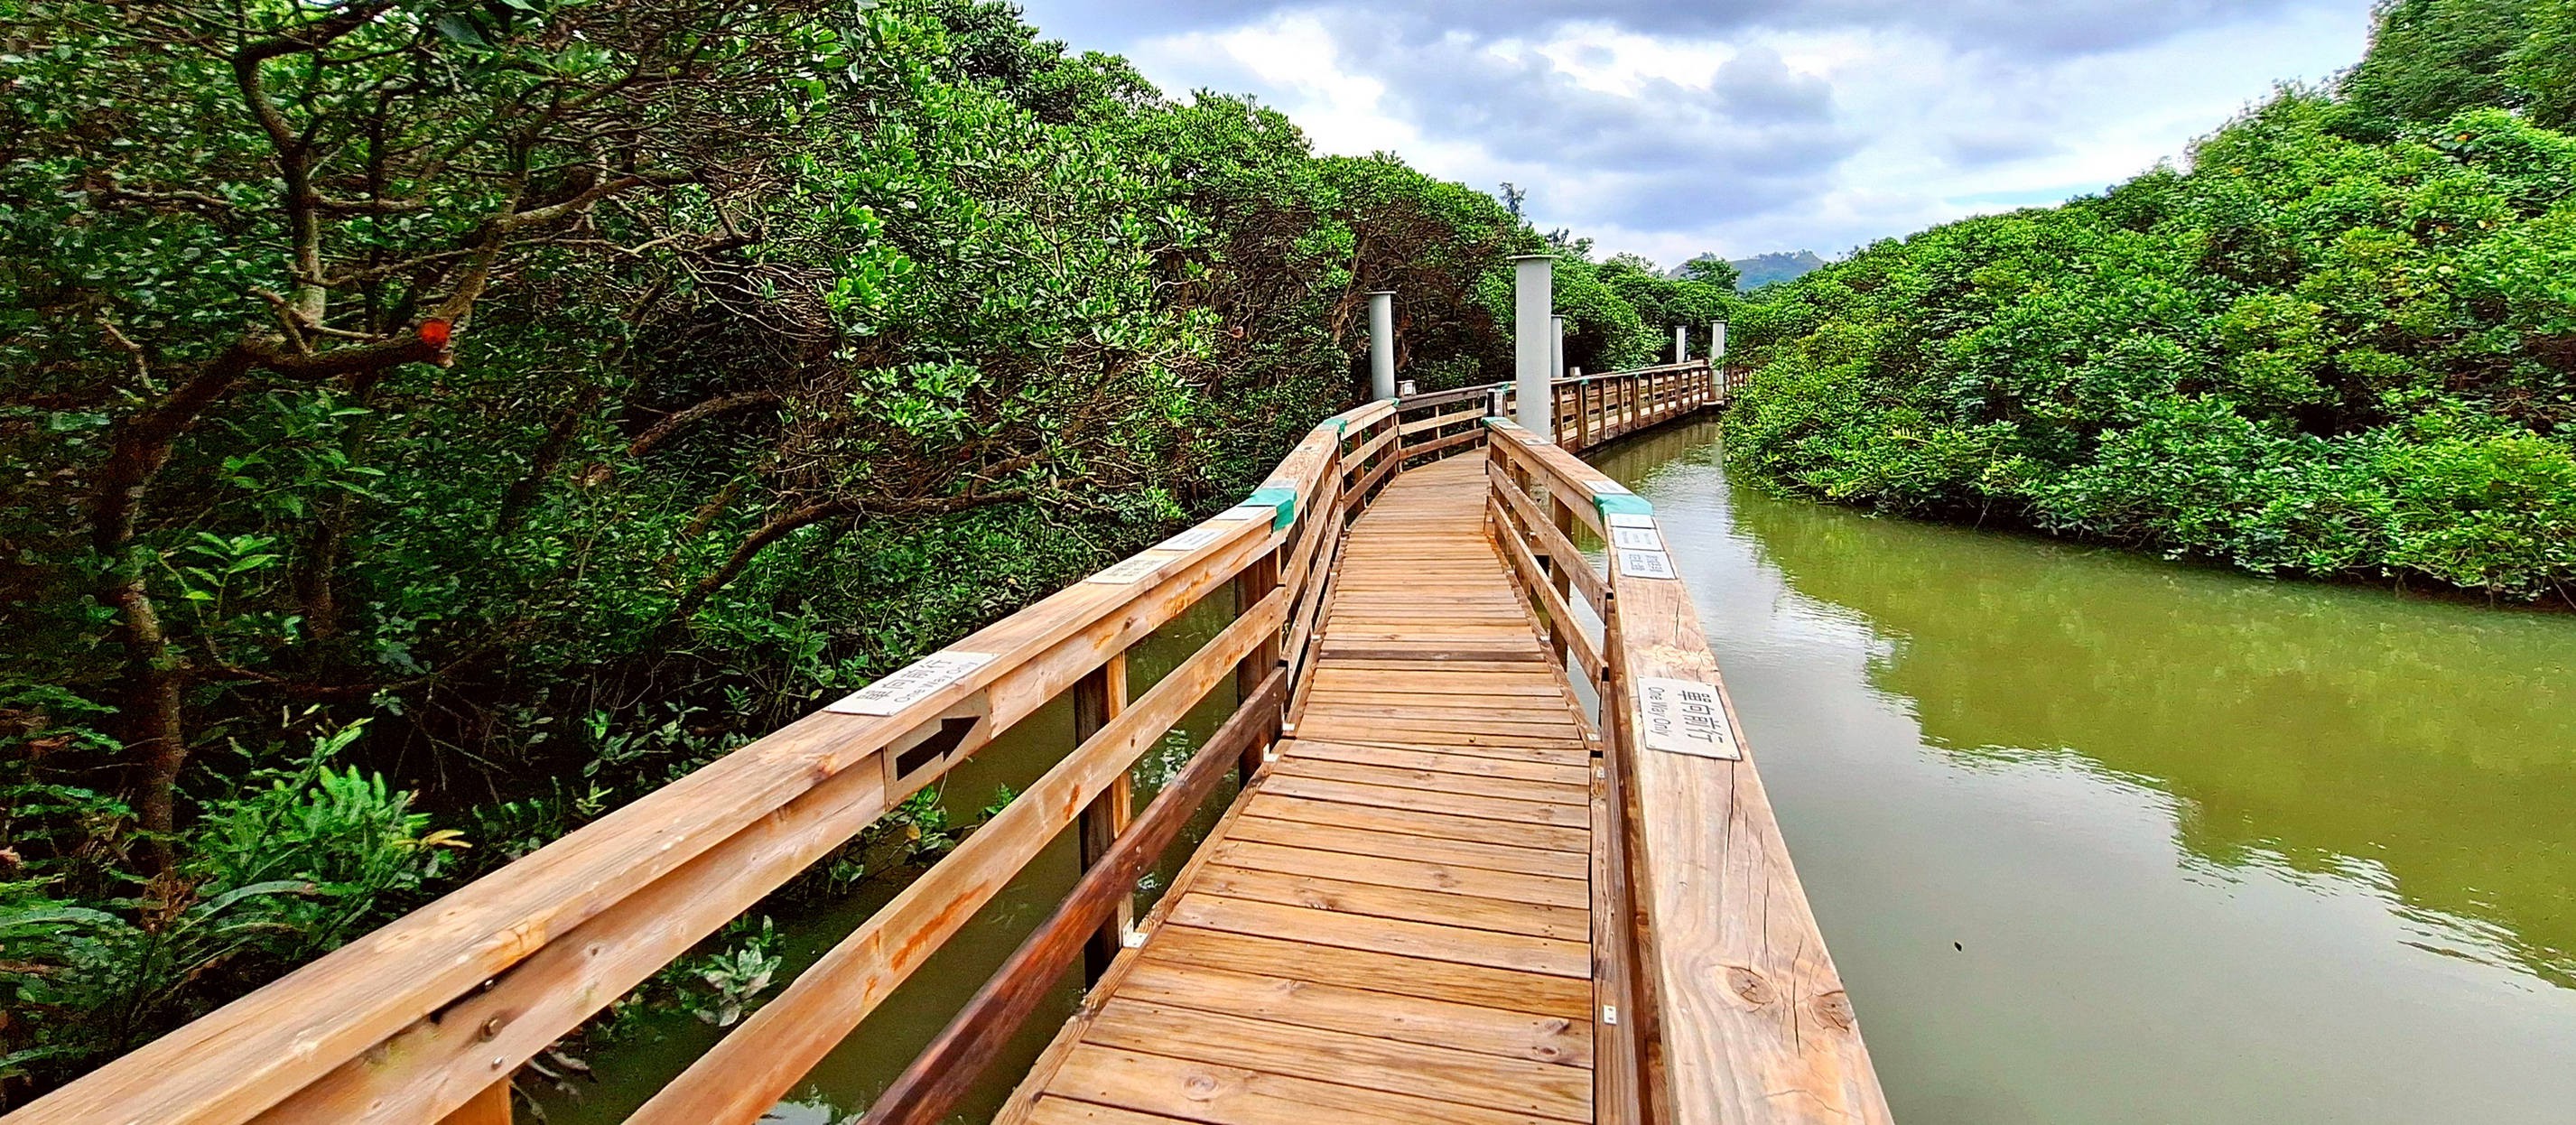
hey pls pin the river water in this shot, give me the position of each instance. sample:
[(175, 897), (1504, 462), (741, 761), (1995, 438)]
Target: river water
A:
[(2093, 837), (2099, 838)]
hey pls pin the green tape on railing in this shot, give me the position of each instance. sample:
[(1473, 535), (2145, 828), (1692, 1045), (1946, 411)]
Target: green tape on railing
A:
[(1282, 503), (1621, 504)]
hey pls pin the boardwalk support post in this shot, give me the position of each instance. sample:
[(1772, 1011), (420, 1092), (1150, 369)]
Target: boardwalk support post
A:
[(1254, 584), (1382, 344), (1532, 297), (491, 1107), (1098, 698), (1681, 343)]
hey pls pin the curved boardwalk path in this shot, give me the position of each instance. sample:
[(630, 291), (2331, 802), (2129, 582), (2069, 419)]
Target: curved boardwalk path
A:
[(1452, 889), (1395, 924)]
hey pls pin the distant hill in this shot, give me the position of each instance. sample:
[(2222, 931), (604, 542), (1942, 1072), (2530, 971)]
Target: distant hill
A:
[(1763, 269)]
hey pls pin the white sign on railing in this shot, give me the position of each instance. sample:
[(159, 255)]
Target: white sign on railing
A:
[(1646, 564), (911, 684), (1128, 571), (1191, 540), (1685, 717), (1636, 538)]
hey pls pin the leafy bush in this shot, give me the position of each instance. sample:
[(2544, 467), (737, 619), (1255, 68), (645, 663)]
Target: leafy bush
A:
[(2325, 349), (564, 452)]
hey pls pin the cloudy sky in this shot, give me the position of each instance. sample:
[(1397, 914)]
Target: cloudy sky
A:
[(1669, 127)]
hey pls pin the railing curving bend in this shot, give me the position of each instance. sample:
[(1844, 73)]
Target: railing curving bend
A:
[(427, 1018)]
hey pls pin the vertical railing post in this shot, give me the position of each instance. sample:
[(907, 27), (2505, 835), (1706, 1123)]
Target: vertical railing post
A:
[(1562, 515), (1098, 698), (1582, 414), (1255, 583), (1532, 298), (491, 1107), (1382, 344)]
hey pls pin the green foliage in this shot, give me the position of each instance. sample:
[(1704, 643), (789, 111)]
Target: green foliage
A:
[(292, 865), (733, 978), (565, 392), (2310, 354), (2432, 59)]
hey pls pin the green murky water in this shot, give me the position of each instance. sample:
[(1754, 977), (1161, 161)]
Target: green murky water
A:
[(2211, 849)]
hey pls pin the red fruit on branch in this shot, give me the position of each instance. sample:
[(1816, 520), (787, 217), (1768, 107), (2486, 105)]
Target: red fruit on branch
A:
[(434, 333)]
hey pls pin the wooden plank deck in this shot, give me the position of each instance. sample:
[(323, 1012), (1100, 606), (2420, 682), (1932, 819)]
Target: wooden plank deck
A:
[(1395, 923)]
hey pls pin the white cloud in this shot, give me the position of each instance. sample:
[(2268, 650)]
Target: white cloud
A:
[(1762, 125)]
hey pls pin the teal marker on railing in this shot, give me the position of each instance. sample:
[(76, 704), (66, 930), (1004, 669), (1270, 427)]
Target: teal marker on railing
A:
[(1282, 503)]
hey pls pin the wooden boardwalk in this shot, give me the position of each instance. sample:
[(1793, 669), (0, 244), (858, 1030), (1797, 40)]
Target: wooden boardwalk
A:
[(1452, 889), (1395, 925)]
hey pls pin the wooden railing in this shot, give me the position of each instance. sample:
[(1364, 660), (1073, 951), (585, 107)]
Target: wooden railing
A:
[(1592, 409), (1730, 1008), (427, 1018)]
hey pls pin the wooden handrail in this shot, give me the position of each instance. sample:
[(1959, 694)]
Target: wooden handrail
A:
[(429, 1013), (433, 1013), (945, 1071), (747, 1071), (1731, 996)]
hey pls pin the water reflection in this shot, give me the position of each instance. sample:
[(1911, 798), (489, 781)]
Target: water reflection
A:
[(2210, 848)]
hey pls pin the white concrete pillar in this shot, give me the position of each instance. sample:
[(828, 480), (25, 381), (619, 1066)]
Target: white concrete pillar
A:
[(1533, 298), (1382, 344), (1716, 341), (1556, 347), (1681, 343)]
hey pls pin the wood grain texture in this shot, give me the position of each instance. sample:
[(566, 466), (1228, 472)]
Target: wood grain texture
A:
[(929, 1089), (1392, 926), (1747, 1019), (744, 1074), (351, 1036)]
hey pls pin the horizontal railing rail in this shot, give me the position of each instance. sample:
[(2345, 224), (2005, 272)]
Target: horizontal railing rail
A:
[(1593, 409), (1589, 409), (1730, 1008), (427, 1018)]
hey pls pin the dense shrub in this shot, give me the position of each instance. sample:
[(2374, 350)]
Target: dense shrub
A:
[(2343, 342), (563, 392)]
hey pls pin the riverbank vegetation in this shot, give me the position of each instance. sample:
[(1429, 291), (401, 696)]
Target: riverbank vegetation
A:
[(430, 424), (2341, 342)]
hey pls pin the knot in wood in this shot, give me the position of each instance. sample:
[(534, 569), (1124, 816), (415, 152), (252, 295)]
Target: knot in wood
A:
[(1834, 1010), (1750, 985)]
